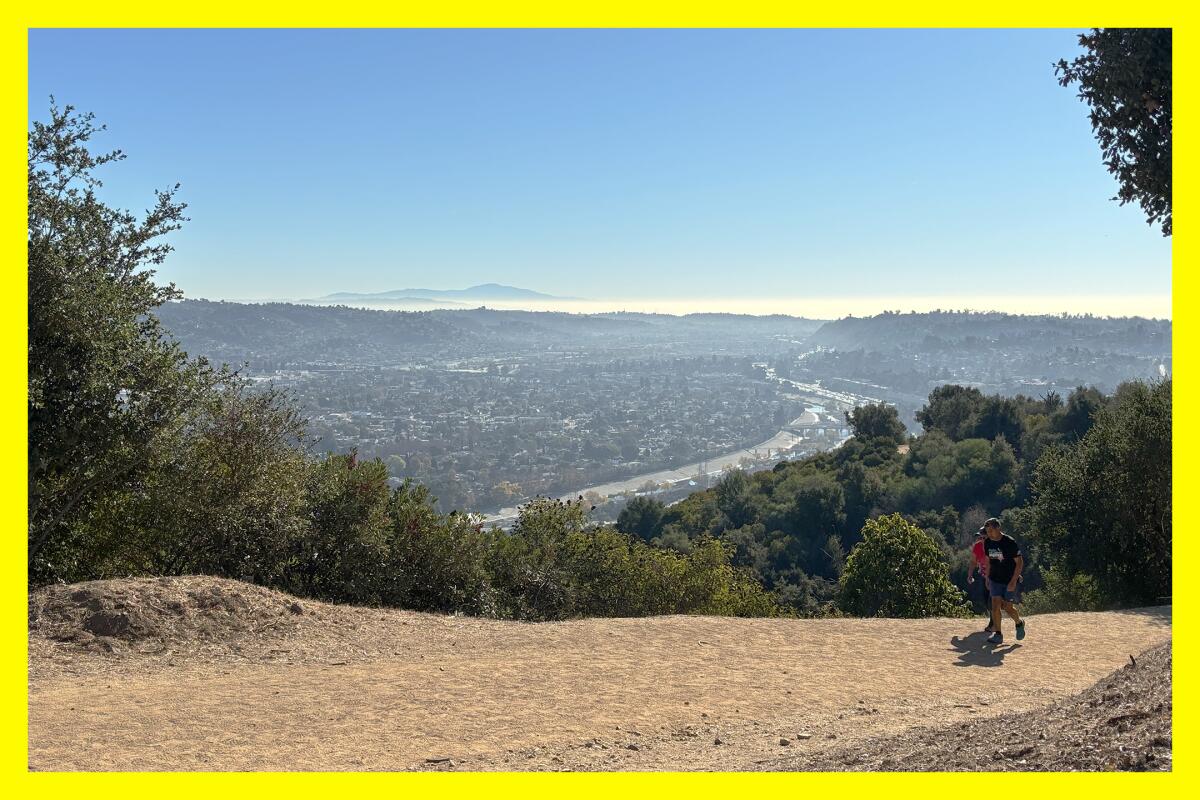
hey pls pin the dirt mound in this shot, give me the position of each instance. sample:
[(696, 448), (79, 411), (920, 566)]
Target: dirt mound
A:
[(139, 624), (151, 614), (1123, 722)]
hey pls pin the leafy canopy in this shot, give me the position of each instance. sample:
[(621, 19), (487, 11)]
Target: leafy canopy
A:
[(1125, 78), (897, 570)]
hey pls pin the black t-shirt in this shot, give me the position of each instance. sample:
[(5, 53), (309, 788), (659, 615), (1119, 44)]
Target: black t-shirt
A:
[(1002, 554)]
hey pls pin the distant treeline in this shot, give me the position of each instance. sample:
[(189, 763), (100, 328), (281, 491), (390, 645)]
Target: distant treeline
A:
[(939, 329), (299, 334)]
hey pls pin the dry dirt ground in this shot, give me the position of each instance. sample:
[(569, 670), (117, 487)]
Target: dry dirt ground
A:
[(202, 673)]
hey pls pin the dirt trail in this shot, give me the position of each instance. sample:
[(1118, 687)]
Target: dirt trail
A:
[(427, 691)]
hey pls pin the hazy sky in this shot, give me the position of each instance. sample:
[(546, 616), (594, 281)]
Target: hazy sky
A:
[(715, 165)]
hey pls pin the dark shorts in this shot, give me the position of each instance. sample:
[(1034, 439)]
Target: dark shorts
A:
[(1001, 590)]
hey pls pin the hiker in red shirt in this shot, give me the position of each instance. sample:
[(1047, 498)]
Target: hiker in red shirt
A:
[(981, 563)]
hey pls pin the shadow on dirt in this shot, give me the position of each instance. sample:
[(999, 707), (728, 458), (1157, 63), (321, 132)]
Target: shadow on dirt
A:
[(974, 651)]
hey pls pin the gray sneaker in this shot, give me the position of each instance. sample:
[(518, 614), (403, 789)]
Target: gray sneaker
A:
[(1021, 629), (996, 638)]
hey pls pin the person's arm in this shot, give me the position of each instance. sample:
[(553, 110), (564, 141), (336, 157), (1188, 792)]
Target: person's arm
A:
[(1020, 565)]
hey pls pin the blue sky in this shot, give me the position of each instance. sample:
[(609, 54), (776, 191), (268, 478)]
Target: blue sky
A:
[(611, 164)]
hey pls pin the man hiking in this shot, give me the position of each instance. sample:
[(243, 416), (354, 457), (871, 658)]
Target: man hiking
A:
[(1005, 563), (980, 562)]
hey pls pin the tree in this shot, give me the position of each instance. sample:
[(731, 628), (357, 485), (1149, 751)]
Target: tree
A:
[(897, 570), (876, 421), (1103, 506), (642, 517), (104, 381), (951, 409), (1000, 416), (816, 514), (436, 562), (224, 496), (1125, 78), (344, 558), (734, 498), (1075, 419)]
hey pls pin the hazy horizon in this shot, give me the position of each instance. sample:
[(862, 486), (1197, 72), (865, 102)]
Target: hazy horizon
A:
[(1149, 306)]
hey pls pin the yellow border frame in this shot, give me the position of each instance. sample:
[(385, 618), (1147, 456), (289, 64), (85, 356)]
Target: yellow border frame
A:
[(535, 13)]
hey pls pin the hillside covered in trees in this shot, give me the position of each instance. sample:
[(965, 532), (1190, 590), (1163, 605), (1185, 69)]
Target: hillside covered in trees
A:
[(973, 329), (1083, 482)]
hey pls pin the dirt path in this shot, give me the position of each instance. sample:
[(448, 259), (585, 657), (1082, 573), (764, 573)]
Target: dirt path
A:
[(595, 694)]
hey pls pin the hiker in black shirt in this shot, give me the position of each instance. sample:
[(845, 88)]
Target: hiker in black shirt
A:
[(1005, 563)]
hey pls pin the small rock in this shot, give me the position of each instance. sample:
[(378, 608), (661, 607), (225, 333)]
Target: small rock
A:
[(784, 742), (803, 735), (633, 746), (718, 740), (296, 608)]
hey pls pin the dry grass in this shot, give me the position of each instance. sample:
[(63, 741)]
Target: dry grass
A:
[(215, 674)]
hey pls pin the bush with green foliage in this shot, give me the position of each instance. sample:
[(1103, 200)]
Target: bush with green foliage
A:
[(876, 421), (555, 564), (1063, 592), (223, 495), (439, 560), (642, 517), (344, 555), (1102, 507), (897, 570)]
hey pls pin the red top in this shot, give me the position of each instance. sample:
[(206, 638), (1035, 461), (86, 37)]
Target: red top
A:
[(981, 558)]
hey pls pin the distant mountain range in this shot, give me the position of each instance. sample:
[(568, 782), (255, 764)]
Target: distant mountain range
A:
[(335, 332), (447, 297)]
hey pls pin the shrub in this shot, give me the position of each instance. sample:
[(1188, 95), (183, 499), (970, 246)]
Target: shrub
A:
[(344, 555), (897, 570), (438, 562), (1063, 592)]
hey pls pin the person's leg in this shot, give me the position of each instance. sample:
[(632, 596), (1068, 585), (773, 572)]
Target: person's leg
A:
[(1010, 602), (996, 604), (987, 605)]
